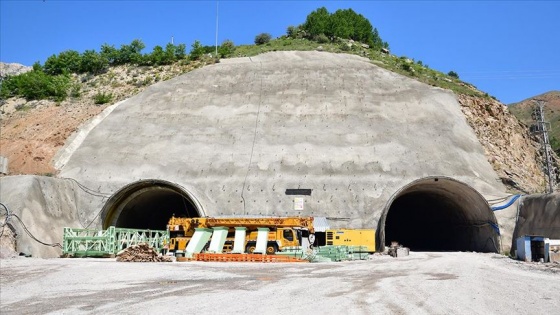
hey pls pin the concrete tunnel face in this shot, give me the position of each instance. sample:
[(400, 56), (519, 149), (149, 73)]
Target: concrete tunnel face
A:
[(439, 214), (148, 204)]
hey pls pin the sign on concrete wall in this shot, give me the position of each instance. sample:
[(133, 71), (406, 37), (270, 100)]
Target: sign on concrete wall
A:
[(298, 204)]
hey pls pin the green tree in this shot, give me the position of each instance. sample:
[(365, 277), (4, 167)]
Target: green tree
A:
[(130, 53), (66, 62), (344, 23), (180, 51), (157, 57), (262, 38), (196, 50), (318, 22), (110, 53), (93, 62), (170, 50)]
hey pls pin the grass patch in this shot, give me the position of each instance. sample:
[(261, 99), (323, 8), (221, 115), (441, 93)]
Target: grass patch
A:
[(102, 98)]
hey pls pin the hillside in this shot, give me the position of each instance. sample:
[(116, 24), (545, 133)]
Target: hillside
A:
[(522, 110), (32, 132)]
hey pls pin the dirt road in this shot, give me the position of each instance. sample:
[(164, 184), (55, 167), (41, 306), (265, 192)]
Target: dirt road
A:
[(422, 283)]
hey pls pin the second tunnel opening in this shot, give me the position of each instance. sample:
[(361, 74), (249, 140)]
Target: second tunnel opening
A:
[(440, 214)]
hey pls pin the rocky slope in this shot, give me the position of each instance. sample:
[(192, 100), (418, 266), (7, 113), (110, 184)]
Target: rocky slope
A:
[(32, 132), (511, 150)]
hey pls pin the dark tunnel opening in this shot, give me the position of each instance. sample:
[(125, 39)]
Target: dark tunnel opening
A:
[(148, 205), (440, 214)]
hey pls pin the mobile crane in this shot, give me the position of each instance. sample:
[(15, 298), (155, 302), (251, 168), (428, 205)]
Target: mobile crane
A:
[(284, 231)]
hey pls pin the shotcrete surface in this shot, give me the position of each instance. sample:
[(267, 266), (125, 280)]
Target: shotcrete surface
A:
[(237, 134), (45, 205), (422, 283)]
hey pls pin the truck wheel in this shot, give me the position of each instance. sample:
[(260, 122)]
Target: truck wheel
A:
[(271, 249), (250, 248)]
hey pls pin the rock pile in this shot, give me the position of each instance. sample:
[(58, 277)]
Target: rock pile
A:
[(141, 253)]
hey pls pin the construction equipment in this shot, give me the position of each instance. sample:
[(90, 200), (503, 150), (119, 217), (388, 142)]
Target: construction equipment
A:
[(106, 243), (282, 232), (352, 237)]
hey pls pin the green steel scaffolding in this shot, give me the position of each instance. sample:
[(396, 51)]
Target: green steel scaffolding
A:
[(106, 243)]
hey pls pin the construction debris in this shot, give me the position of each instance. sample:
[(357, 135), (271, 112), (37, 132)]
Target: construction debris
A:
[(141, 253), (397, 250)]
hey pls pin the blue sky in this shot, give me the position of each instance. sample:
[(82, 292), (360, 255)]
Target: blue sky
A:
[(509, 49)]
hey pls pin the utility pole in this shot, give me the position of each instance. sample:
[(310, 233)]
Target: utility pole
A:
[(217, 3), (540, 127)]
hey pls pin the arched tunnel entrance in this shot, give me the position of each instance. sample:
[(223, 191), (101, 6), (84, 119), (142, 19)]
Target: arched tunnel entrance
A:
[(439, 214), (148, 204)]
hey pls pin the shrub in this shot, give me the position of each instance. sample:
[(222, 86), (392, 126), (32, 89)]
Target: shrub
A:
[(292, 31), (407, 67), (227, 48), (36, 85), (322, 39), (102, 98), (453, 74), (262, 38), (344, 47)]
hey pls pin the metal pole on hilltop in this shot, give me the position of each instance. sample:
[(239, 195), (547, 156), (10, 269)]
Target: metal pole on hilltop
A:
[(217, 3)]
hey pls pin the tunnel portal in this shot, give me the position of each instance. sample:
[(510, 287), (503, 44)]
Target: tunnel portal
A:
[(148, 204), (439, 214)]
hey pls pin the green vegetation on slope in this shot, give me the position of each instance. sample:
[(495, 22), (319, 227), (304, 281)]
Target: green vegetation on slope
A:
[(343, 31)]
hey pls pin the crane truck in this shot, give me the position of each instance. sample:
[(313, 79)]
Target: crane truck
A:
[(284, 231)]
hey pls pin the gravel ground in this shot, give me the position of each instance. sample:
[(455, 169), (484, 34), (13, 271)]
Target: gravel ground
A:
[(422, 283)]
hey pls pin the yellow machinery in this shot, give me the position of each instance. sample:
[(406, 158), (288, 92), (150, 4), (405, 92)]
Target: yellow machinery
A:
[(284, 232), (352, 237)]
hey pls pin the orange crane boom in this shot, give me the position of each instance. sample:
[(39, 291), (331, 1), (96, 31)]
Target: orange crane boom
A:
[(187, 224)]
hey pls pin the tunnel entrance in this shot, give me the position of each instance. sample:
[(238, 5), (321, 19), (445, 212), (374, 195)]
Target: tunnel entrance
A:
[(439, 214), (148, 204)]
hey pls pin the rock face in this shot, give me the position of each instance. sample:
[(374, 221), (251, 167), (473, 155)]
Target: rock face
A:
[(512, 151), (11, 69)]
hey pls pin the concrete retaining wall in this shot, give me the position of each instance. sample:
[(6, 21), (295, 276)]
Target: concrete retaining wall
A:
[(45, 205), (538, 215)]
